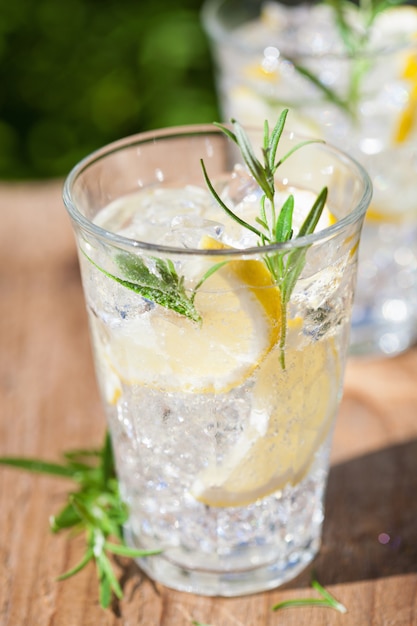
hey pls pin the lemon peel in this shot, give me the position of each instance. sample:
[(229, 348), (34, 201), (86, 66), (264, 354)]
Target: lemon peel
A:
[(377, 215), (292, 413), (408, 119)]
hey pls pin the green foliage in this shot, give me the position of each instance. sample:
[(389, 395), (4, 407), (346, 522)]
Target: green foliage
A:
[(77, 74), (94, 508)]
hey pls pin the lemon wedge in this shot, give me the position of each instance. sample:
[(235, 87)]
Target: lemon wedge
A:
[(292, 412), (408, 118), (241, 310)]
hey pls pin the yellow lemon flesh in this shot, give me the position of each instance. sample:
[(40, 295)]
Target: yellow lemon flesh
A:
[(382, 215), (292, 411), (240, 309), (408, 119)]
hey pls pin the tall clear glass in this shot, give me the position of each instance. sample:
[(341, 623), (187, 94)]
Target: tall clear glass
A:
[(219, 398), (270, 55)]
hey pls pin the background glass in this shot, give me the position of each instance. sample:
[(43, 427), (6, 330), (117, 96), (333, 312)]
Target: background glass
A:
[(371, 113)]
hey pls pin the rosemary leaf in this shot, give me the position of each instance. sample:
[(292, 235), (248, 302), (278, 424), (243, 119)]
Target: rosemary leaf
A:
[(335, 604), (41, 467), (68, 517), (329, 94), (294, 149), (288, 604), (123, 550), (326, 600), (275, 138), (283, 228), (88, 556), (309, 225), (225, 208), (295, 259), (164, 286), (258, 171), (108, 579)]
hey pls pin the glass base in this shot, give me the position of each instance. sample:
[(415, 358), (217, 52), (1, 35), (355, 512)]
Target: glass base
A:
[(232, 583), (233, 551)]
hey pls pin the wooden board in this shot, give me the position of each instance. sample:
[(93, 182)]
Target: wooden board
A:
[(49, 404)]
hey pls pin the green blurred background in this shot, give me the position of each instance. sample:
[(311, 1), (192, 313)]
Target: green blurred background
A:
[(76, 74)]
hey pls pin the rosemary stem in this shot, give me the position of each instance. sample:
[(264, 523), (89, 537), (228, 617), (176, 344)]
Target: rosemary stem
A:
[(283, 336)]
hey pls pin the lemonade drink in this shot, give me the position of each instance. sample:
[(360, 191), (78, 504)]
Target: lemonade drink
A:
[(221, 429), (357, 91)]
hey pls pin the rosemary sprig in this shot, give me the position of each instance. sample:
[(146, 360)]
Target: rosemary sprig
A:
[(329, 94), (355, 36), (94, 508), (161, 284), (275, 226), (325, 600)]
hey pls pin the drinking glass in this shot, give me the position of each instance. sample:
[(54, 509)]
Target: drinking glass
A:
[(269, 55), (220, 393)]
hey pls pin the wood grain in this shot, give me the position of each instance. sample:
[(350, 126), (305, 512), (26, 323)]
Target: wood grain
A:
[(49, 403)]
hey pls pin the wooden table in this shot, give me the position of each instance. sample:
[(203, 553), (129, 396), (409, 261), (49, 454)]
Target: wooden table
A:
[(49, 404)]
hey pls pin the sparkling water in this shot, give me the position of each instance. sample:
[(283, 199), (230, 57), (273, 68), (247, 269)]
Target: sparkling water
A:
[(160, 452), (190, 434)]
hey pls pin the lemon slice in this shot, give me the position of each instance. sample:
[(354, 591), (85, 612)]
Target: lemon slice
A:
[(240, 308), (292, 411), (401, 22)]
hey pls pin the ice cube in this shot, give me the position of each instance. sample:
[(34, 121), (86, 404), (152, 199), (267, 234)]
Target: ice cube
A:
[(187, 231), (241, 186)]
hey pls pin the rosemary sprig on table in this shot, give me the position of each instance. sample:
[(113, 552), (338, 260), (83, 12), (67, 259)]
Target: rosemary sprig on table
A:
[(325, 600), (276, 225), (93, 508)]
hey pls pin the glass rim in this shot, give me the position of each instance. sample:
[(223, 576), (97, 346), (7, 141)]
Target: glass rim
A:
[(218, 32), (192, 130)]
